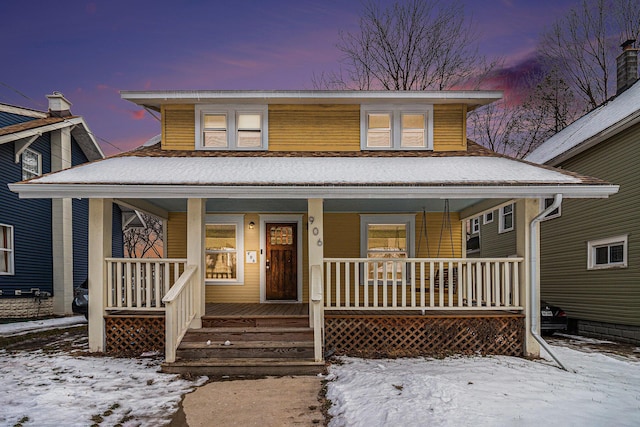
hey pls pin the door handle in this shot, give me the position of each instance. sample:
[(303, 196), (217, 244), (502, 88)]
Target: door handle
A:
[(268, 264)]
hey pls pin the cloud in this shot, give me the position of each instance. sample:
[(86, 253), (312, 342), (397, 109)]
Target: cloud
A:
[(137, 115)]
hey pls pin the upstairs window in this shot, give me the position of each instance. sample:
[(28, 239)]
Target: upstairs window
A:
[(231, 128), (6, 249), (475, 225), (506, 218), (396, 127), (31, 164)]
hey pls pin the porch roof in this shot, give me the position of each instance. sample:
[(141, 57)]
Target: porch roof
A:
[(150, 173)]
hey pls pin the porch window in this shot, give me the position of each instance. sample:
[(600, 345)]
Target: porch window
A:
[(506, 218), (224, 248), (231, 127), (404, 127), (31, 164), (6, 250), (388, 237), (607, 253)]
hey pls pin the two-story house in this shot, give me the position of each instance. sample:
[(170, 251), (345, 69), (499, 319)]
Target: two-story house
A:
[(43, 243), (301, 223)]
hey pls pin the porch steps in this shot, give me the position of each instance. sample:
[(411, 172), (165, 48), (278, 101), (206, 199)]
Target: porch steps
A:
[(255, 345)]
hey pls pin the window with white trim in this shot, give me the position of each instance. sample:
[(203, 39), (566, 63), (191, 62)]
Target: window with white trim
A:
[(387, 237), (31, 164), (506, 218), (607, 253), (239, 127), (6, 250), (475, 225), (545, 203), (488, 217), (408, 127), (224, 249)]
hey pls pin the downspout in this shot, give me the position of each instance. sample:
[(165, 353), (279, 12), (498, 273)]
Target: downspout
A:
[(534, 301)]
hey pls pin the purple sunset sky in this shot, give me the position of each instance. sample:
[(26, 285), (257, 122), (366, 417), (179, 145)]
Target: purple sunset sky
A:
[(90, 50)]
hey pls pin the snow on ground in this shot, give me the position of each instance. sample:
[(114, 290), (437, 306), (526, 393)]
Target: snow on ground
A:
[(18, 328), (486, 391), (40, 388)]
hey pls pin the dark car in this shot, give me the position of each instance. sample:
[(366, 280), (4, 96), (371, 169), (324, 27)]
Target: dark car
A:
[(80, 303), (552, 318)]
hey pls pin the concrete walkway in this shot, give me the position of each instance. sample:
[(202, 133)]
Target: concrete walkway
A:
[(272, 401)]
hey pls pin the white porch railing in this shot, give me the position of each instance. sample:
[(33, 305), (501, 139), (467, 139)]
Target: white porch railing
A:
[(180, 310), (140, 283), (422, 284)]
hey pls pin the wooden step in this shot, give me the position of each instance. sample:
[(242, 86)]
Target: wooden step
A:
[(255, 321), (258, 333), (246, 349), (244, 367)]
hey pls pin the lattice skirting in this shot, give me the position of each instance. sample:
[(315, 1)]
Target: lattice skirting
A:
[(128, 336), (412, 336)]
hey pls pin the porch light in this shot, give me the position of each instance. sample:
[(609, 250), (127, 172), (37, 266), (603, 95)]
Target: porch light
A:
[(252, 225)]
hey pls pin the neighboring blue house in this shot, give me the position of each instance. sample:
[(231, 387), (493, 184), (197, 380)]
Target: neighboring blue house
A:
[(43, 243)]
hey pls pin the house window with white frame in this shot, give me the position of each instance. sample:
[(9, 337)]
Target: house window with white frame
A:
[(387, 237), (545, 203), (231, 128), (506, 218), (475, 225), (607, 253), (224, 249), (488, 218), (397, 127), (31, 164), (6, 250)]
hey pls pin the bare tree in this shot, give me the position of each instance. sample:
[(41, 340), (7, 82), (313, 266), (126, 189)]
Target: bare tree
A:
[(412, 45), (584, 45), (140, 242)]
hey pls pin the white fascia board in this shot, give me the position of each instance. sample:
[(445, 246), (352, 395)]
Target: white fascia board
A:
[(21, 111), (45, 191), (87, 141), (157, 98), (40, 130)]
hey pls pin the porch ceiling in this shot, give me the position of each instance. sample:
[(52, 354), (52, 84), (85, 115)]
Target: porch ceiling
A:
[(330, 205)]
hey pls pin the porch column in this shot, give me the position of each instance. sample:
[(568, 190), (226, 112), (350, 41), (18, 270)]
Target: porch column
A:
[(100, 235), (315, 216), (526, 210), (195, 252), (62, 228)]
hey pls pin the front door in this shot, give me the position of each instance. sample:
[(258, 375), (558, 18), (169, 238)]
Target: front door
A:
[(281, 263)]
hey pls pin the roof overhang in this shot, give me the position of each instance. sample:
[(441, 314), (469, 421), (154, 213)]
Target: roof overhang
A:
[(29, 191), (79, 130), (155, 99)]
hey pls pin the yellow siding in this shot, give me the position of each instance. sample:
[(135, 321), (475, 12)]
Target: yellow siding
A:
[(178, 127), (314, 128), (177, 235), (449, 128)]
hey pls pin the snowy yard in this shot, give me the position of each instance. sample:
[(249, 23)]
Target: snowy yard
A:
[(488, 391), (62, 385), (56, 388)]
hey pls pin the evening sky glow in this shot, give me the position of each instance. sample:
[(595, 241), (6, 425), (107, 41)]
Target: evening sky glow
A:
[(90, 50)]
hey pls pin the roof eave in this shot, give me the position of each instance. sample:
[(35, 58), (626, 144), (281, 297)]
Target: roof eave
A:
[(33, 190), (154, 99)]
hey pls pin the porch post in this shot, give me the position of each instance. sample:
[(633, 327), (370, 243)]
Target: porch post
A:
[(315, 218), (100, 236), (195, 252), (526, 210)]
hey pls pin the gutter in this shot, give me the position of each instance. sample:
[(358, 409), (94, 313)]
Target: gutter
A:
[(534, 300)]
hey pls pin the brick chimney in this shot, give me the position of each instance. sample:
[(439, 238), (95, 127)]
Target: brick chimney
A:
[(627, 63), (59, 106)]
